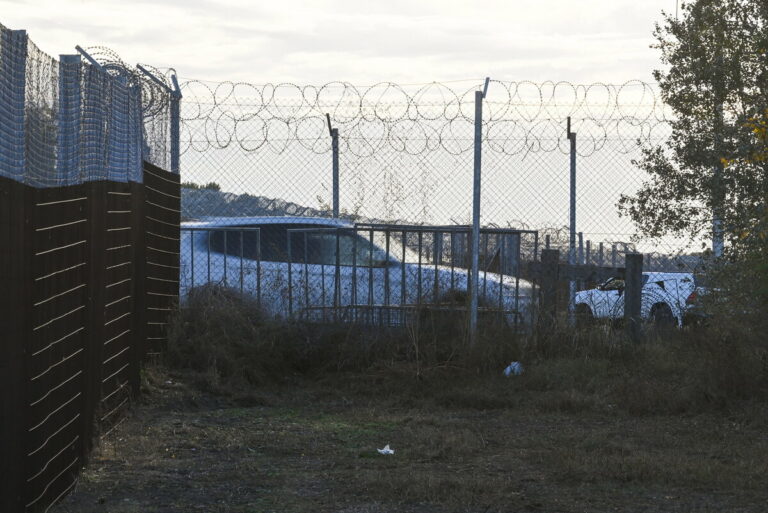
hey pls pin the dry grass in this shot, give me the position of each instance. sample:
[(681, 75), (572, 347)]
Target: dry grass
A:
[(257, 417), (228, 345), (310, 446)]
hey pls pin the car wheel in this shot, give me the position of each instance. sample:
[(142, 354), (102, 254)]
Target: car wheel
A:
[(662, 316), (584, 316)]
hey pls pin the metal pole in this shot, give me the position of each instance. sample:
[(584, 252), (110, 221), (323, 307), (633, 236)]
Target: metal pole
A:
[(91, 60), (572, 226), (335, 148), (475, 271), (175, 126), (588, 253), (600, 256), (550, 260), (580, 260), (633, 294), (334, 132)]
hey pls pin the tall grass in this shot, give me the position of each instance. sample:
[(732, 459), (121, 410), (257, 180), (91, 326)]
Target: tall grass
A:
[(229, 344)]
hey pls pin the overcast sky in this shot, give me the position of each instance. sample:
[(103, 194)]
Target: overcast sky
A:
[(357, 41)]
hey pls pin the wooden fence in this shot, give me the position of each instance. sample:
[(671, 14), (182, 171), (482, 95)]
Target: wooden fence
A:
[(78, 307)]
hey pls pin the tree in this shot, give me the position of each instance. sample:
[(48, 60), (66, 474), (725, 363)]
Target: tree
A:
[(213, 186), (714, 165)]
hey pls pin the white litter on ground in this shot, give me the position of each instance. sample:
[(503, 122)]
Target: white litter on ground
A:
[(514, 369), (386, 450)]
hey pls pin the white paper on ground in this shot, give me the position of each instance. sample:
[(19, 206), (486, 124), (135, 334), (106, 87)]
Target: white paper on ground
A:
[(386, 450)]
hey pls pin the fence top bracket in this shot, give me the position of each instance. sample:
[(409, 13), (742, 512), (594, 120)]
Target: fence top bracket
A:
[(175, 92), (90, 59), (332, 131), (485, 86)]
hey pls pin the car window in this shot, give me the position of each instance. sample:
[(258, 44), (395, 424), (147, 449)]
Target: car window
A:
[(613, 284), (235, 242), (353, 249), (312, 244), (273, 239)]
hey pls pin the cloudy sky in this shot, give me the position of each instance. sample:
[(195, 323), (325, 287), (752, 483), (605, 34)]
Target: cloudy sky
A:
[(358, 41)]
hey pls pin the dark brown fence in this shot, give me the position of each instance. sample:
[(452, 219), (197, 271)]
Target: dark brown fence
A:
[(78, 305), (162, 220)]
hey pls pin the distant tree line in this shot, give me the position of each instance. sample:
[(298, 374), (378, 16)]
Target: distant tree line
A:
[(212, 186)]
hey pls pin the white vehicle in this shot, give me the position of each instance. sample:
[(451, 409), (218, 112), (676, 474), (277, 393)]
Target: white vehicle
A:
[(666, 297), (331, 269)]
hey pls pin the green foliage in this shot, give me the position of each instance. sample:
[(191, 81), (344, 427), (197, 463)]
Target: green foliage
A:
[(716, 82)]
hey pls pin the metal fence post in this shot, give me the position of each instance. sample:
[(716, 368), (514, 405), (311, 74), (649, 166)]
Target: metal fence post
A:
[(475, 272), (588, 253), (135, 136), (580, 260), (511, 250), (600, 255), (334, 133), (335, 148), (550, 261), (175, 126), (572, 226), (633, 294)]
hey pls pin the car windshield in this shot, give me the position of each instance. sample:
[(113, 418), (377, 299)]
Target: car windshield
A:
[(297, 243), (317, 244), (619, 284), (352, 249)]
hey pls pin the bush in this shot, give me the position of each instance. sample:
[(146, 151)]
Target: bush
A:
[(230, 345)]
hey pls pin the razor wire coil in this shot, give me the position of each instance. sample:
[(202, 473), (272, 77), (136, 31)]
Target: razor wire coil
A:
[(521, 117)]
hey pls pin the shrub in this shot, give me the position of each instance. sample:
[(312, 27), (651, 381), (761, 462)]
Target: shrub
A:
[(230, 345)]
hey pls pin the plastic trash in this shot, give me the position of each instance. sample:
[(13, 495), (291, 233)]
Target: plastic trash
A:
[(513, 369), (386, 450)]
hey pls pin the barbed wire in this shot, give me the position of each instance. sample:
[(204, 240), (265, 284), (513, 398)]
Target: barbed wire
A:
[(154, 97), (155, 100), (520, 117)]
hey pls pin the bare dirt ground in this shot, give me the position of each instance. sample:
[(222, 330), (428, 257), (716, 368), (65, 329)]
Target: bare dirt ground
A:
[(483, 445)]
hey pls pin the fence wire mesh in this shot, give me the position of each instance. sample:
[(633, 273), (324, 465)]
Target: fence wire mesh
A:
[(406, 153), (405, 157), (67, 121)]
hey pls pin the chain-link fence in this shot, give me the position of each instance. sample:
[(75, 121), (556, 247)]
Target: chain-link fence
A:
[(406, 152), (555, 158)]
